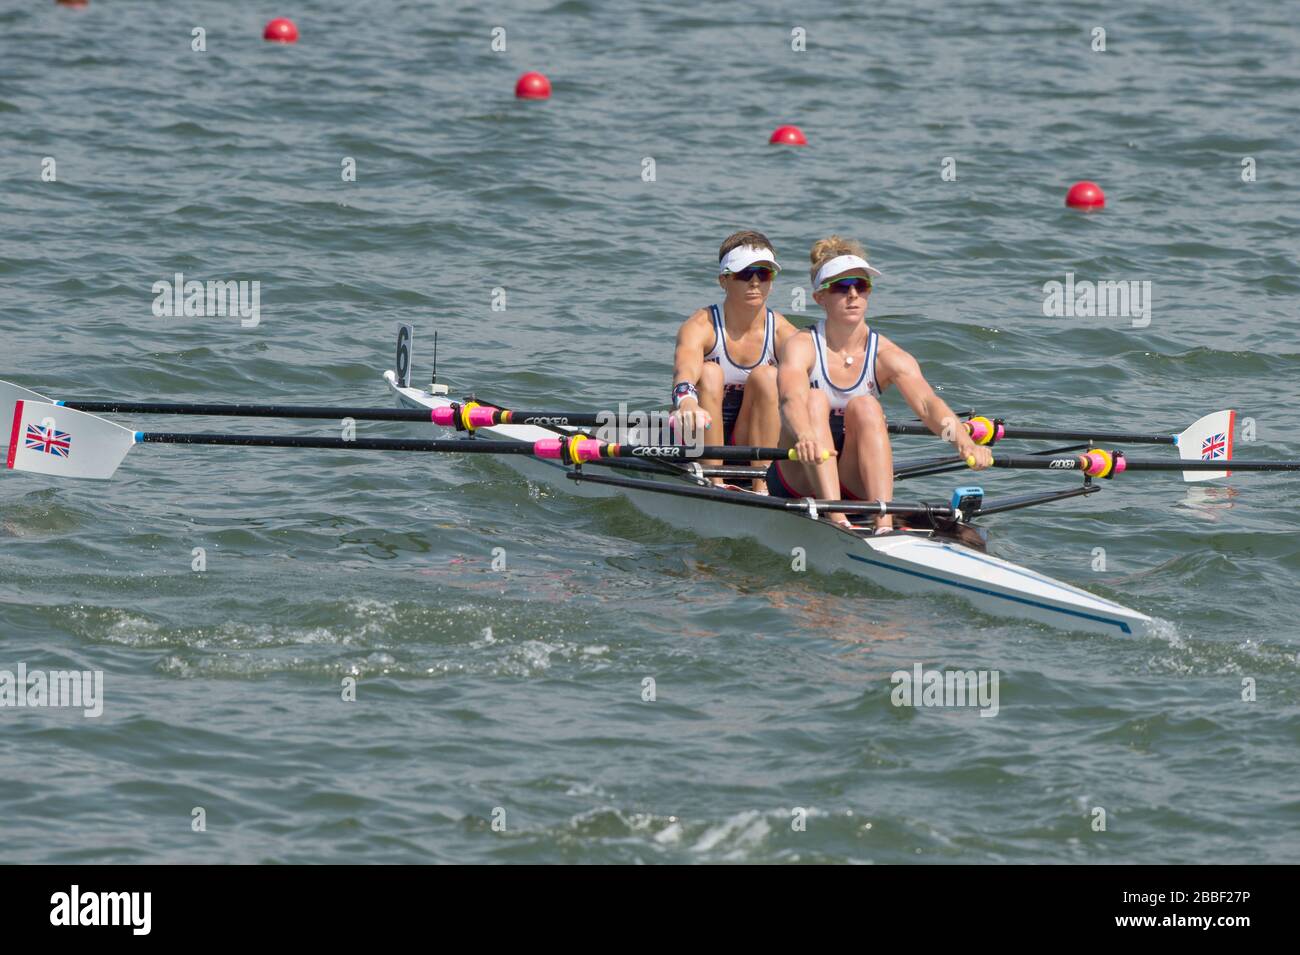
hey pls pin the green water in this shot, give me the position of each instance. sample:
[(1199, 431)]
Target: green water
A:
[(515, 696)]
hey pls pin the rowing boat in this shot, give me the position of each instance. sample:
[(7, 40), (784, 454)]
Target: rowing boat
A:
[(942, 551), (949, 560)]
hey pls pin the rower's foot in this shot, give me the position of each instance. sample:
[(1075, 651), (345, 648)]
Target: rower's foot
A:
[(883, 529), (760, 487)]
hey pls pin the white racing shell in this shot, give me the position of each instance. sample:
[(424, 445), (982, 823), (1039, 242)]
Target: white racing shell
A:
[(906, 563)]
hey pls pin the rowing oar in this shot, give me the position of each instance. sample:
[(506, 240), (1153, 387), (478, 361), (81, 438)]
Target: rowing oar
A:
[(1110, 464), (982, 430), (466, 416), (463, 417), (1210, 430), (54, 439)]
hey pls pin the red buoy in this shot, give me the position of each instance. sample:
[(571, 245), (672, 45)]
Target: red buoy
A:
[(1085, 195), (533, 86), (788, 136), (281, 30)]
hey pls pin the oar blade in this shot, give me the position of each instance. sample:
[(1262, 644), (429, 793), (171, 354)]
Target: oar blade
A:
[(10, 395), (1209, 439), (51, 439)]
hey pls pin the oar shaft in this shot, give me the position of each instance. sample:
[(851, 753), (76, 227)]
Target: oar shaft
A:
[(458, 445), (1092, 437), (470, 415), (988, 432), (250, 410), (1094, 463), (1233, 465), (570, 450)]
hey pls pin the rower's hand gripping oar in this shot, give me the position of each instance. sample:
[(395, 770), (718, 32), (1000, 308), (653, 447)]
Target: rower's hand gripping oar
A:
[(55, 440)]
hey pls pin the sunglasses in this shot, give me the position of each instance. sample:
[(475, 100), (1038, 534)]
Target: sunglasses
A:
[(842, 286), (764, 274)]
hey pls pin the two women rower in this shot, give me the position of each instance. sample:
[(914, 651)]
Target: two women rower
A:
[(830, 378)]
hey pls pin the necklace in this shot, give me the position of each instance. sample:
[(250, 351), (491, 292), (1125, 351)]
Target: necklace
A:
[(848, 356)]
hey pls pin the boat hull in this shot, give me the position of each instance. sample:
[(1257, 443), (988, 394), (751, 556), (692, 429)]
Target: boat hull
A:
[(914, 564)]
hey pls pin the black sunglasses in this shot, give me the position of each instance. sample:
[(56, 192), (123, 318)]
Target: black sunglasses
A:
[(764, 274)]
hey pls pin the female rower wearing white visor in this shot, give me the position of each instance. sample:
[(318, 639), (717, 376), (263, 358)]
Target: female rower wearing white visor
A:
[(724, 365), (830, 378)]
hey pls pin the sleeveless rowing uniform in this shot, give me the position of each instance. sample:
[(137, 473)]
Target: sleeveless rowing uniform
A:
[(838, 397), (734, 376)]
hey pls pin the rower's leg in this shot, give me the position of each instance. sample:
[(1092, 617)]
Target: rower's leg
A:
[(815, 479), (867, 463), (711, 386), (759, 421)]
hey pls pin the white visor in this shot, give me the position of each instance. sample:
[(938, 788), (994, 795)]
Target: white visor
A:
[(743, 256), (841, 264)]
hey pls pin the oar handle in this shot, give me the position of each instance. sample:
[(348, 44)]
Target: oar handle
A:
[(793, 455)]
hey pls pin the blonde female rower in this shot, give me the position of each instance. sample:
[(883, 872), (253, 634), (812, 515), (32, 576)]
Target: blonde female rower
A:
[(830, 378)]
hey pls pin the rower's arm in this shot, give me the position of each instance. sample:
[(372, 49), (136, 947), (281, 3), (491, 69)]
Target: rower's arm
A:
[(902, 370), (794, 360), (693, 342)]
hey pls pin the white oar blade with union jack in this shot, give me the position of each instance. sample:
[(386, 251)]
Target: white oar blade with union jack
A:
[(50, 439), (1209, 439)]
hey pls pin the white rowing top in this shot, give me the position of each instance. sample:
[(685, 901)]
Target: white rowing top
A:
[(733, 375), (818, 377)]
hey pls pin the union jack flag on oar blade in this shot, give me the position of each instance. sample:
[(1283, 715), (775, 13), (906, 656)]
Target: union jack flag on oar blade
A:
[(49, 440), (1209, 439), (52, 439), (1214, 447)]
